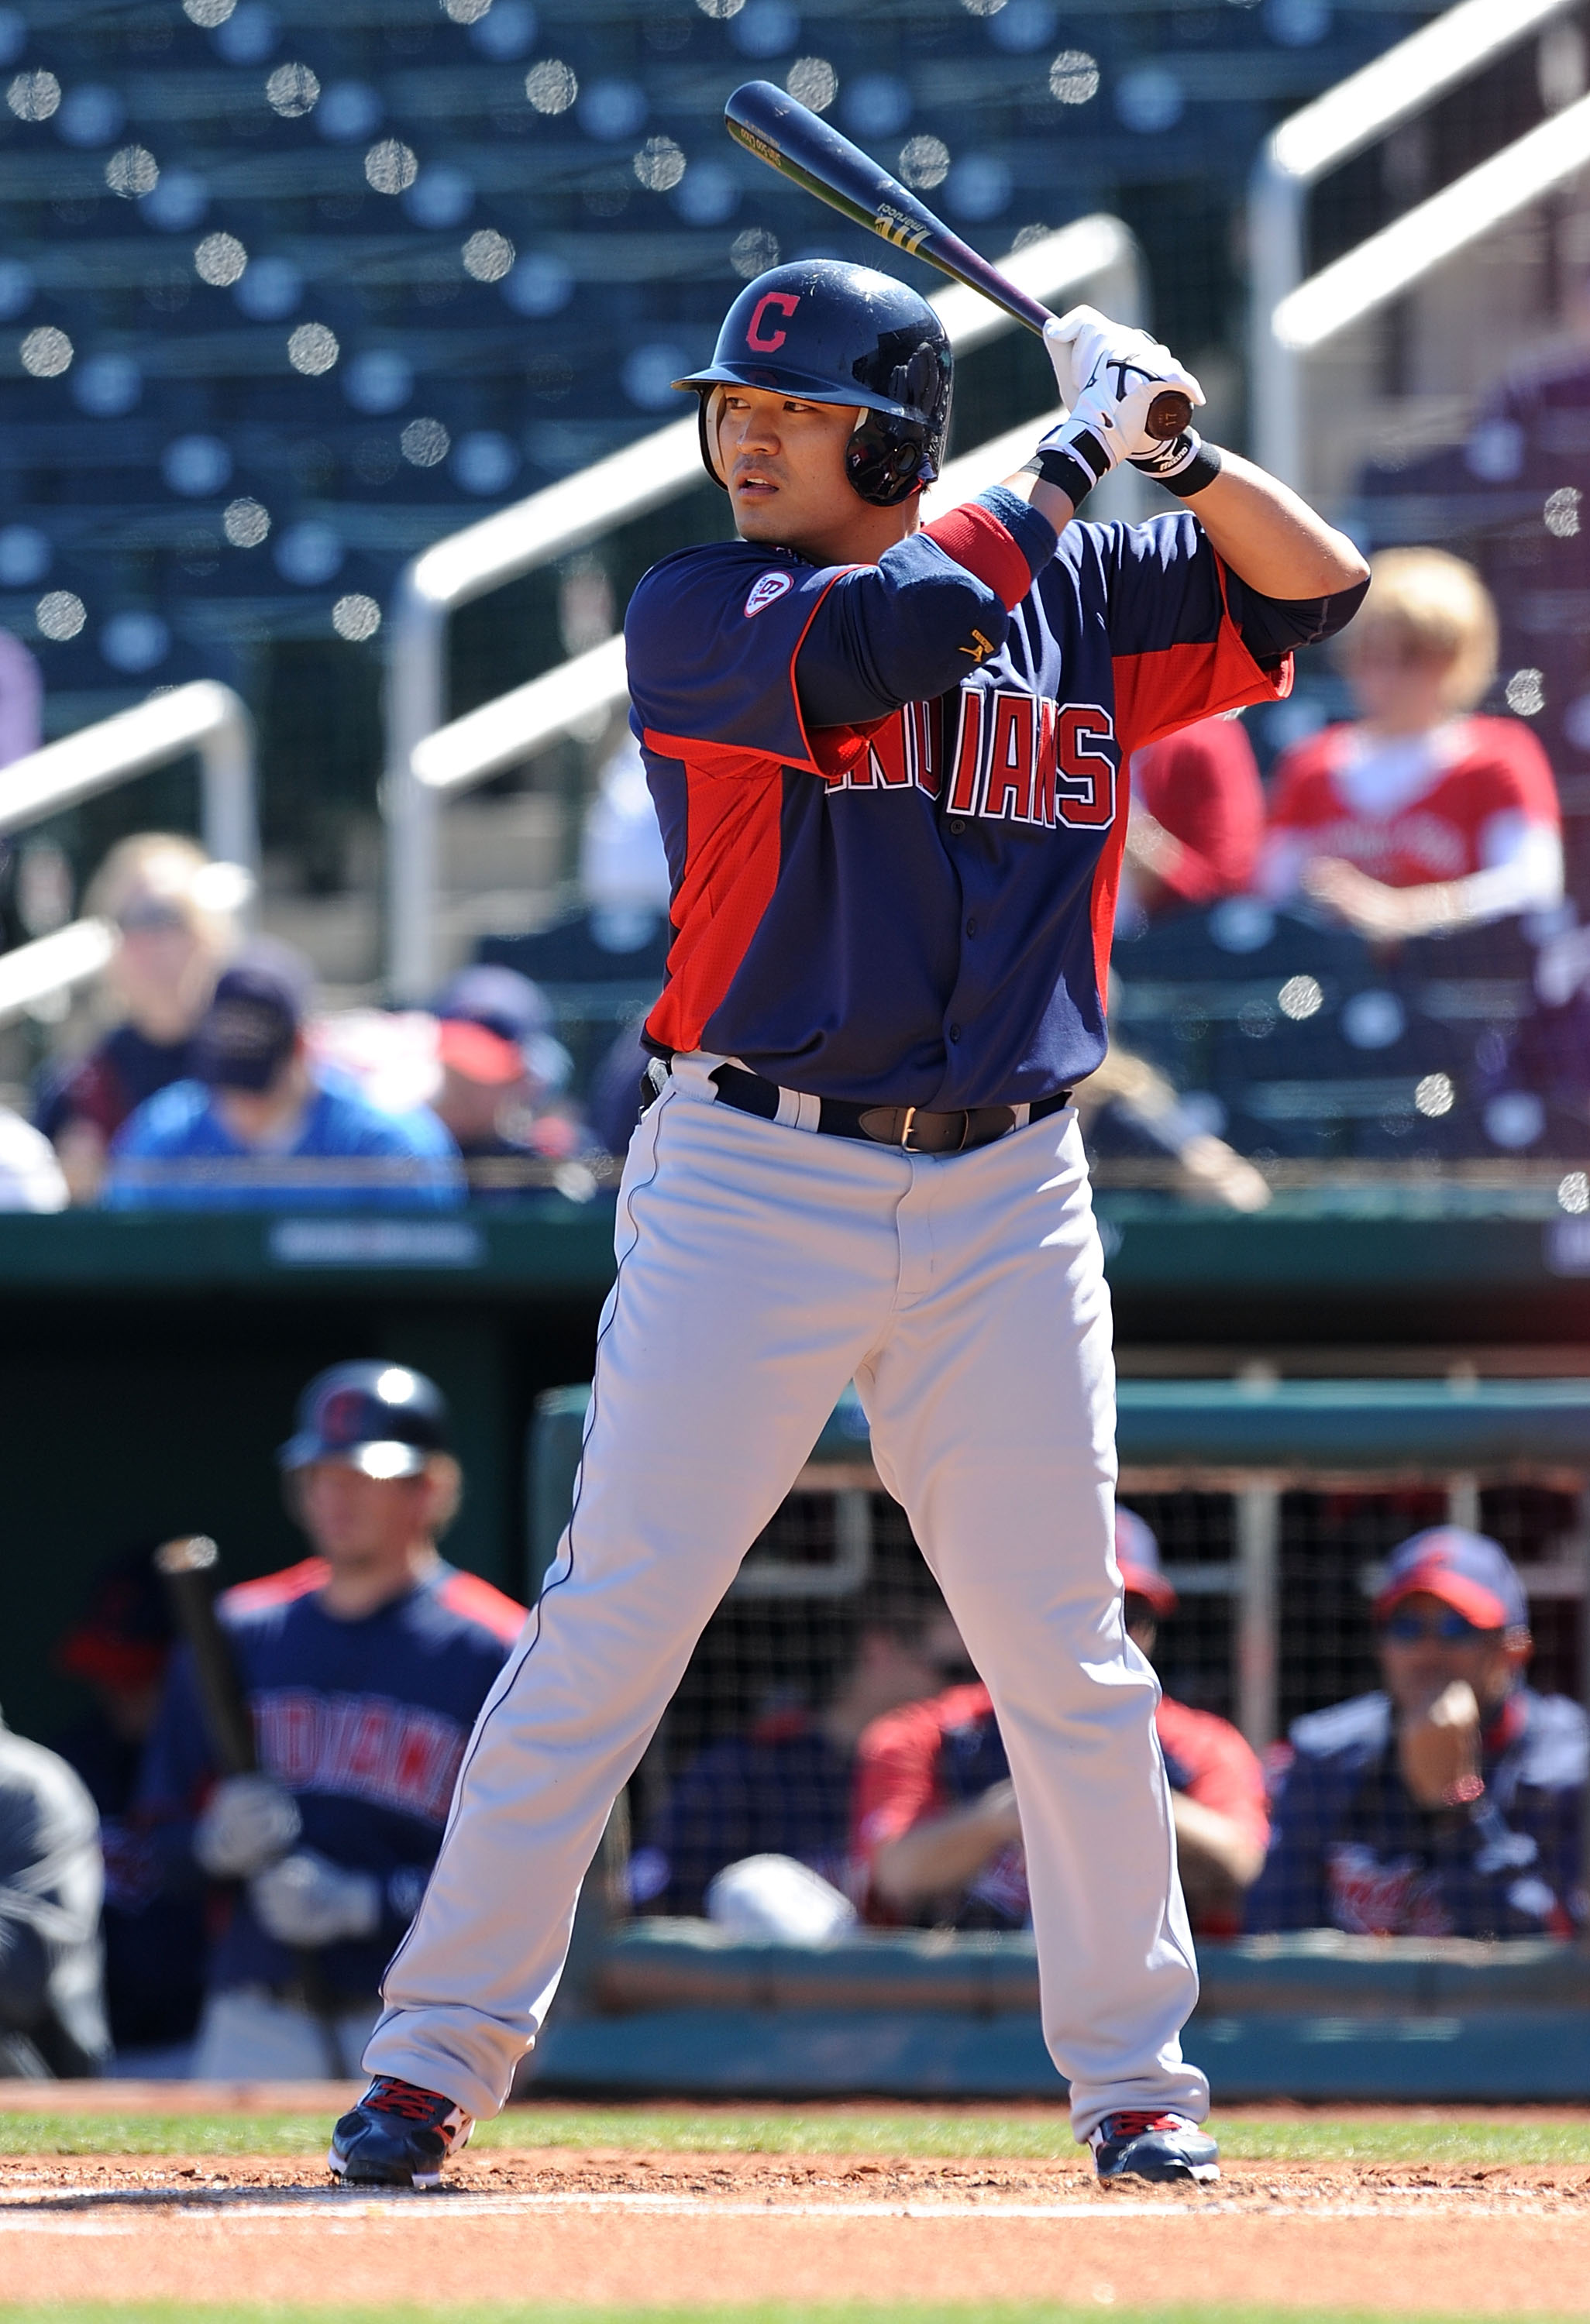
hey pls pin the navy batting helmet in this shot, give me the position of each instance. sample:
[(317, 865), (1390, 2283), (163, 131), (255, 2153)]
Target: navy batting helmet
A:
[(833, 333), (381, 1418)]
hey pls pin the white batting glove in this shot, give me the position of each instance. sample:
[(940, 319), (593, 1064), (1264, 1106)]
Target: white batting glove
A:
[(1108, 374), (307, 1900), (248, 1822)]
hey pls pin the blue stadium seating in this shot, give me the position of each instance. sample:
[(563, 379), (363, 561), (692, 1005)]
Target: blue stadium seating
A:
[(290, 288)]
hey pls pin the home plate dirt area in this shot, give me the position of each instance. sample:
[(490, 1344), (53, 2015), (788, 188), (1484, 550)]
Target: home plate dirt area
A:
[(621, 2226)]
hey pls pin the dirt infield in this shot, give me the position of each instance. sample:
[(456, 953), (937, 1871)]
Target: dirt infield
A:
[(605, 2226)]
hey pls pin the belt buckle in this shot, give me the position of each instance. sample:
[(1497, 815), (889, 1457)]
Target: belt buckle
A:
[(905, 1129)]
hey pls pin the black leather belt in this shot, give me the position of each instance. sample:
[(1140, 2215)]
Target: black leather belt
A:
[(913, 1128)]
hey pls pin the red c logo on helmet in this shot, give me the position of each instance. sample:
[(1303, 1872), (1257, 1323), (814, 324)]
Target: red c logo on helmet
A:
[(786, 302)]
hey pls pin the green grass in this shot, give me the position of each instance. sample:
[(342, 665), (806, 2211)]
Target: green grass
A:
[(991, 2136)]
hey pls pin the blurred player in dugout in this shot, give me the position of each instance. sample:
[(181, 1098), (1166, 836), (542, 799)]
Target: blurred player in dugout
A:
[(938, 1838), (365, 1667), (1448, 1803)]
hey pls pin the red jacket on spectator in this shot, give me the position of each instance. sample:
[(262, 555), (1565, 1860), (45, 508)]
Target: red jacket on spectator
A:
[(943, 1752), (1201, 789), (1491, 767)]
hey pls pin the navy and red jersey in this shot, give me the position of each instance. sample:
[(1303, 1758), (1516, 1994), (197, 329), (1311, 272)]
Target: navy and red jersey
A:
[(1353, 1850), (893, 797), (364, 1722), (947, 1751)]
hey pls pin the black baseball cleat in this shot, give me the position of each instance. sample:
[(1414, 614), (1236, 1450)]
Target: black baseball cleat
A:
[(398, 2135), (1160, 2146)]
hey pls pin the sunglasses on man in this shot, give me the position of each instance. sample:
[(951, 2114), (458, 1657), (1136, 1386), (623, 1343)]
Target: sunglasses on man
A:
[(1451, 1627)]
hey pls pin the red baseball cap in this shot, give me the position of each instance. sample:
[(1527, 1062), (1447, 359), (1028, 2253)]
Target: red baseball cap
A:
[(477, 1052), (1466, 1570), (1137, 1554)]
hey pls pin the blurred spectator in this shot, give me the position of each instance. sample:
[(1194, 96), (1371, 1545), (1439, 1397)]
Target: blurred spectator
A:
[(1196, 819), (259, 1126), (781, 1789), (172, 912), (51, 1980), (365, 1667), (621, 930), (31, 1179), (936, 1830), (1448, 1805), (154, 1944), (502, 1070), (1420, 818), (1128, 1108)]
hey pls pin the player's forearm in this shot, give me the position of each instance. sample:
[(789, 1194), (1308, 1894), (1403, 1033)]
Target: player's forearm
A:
[(1046, 498), (1211, 1845), (944, 1852), (1272, 539)]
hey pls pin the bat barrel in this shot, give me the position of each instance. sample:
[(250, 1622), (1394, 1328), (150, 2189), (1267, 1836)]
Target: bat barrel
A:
[(808, 151)]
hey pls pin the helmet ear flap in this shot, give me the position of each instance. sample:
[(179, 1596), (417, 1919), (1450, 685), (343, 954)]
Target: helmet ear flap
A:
[(706, 432), (887, 459)]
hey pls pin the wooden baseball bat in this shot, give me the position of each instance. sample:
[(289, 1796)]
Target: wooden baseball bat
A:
[(189, 1567), (801, 146)]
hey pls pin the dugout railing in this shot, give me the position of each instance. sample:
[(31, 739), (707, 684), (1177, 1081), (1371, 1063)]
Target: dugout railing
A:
[(1275, 1502)]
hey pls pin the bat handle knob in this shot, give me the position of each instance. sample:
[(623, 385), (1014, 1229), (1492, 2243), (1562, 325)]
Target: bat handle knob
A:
[(189, 1553), (1169, 414)]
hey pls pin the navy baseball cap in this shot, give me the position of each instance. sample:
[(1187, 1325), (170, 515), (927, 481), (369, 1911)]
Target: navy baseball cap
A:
[(1137, 1554), (247, 1033), (1466, 1570), (381, 1419)]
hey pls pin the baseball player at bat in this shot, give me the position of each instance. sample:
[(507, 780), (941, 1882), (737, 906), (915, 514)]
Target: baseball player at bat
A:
[(362, 1670), (888, 758)]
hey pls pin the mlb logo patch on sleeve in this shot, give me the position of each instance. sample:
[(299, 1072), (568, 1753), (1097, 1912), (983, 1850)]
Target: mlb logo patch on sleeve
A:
[(767, 591)]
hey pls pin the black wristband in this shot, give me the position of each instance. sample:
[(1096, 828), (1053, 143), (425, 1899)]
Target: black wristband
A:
[(1200, 470), (1064, 471)]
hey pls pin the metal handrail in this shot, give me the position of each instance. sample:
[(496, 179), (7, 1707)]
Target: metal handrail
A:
[(1317, 140), (564, 517), (36, 972), (1367, 278), (205, 717)]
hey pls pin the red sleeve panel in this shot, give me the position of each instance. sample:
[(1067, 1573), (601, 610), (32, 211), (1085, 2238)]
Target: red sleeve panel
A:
[(974, 536)]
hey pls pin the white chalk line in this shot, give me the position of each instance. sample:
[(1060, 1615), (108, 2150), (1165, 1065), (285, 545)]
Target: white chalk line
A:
[(45, 2212)]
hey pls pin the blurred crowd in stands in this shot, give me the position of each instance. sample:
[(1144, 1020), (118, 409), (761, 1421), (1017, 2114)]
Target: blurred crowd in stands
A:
[(216, 1080), (162, 1913)]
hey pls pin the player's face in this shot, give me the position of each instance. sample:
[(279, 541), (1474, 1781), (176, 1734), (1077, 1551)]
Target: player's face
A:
[(352, 1519), (1397, 687), (783, 462), (1420, 1666)]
